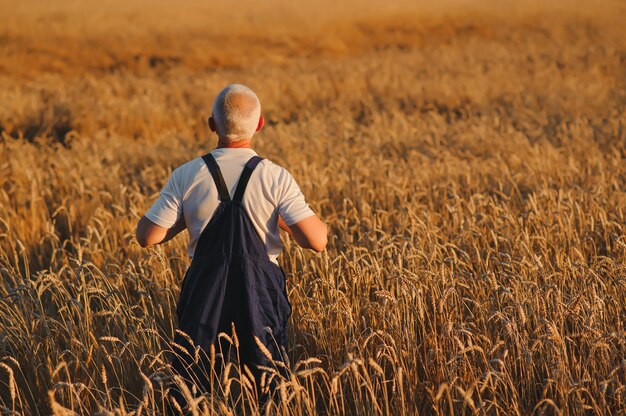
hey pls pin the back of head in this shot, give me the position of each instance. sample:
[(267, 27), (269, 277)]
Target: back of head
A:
[(236, 113)]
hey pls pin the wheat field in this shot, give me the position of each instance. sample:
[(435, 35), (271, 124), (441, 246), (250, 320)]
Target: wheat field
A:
[(468, 158)]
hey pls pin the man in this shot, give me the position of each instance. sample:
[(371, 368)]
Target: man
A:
[(232, 203)]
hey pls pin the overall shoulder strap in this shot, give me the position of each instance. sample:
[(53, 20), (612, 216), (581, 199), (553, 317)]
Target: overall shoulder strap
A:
[(217, 177), (245, 177)]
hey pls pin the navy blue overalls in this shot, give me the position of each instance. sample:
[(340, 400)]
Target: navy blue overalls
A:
[(231, 281)]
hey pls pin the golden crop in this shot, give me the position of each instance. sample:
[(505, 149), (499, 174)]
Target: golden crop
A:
[(469, 161)]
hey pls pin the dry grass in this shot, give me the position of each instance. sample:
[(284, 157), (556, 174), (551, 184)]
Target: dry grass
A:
[(469, 162)]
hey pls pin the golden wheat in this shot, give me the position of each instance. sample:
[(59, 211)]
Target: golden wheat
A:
[(469, 161)]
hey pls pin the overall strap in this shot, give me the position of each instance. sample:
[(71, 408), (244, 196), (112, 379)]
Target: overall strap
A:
[(245, 177), (217, 177)]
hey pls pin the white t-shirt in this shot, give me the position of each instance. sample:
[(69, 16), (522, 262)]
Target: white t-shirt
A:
[(191, 192)]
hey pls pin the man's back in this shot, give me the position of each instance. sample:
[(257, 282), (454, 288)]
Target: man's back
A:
[(191, 192)]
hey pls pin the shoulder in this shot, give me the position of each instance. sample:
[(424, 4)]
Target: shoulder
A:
[(269, 166), (275, 171), (189, 168), (184, 174), (279, 179)]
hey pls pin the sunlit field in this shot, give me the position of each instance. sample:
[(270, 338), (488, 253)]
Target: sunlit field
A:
[(469, 160)]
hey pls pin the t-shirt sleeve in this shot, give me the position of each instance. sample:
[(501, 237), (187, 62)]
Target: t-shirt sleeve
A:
[(169, 207), (292, 206)]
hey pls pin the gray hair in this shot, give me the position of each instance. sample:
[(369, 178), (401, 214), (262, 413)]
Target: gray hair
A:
[(236, 113)]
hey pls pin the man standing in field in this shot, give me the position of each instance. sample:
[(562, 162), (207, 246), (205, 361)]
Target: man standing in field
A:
[(232, 203)]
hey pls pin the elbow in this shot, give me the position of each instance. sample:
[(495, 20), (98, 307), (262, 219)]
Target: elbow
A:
[(320, 244), (141, 240), (141, 237), (319, 247)]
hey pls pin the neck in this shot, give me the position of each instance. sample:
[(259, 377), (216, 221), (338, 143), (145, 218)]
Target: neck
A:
[(239, 144)]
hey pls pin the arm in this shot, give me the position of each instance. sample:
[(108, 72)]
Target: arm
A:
[(296, 217), (164, 220), (148, 233), (309, 233)]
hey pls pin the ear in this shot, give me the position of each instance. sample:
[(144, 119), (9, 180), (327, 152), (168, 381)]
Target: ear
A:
[(261, 123), (212, 123)]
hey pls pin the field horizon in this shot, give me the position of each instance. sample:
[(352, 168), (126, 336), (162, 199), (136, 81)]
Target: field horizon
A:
[(468, 158)]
